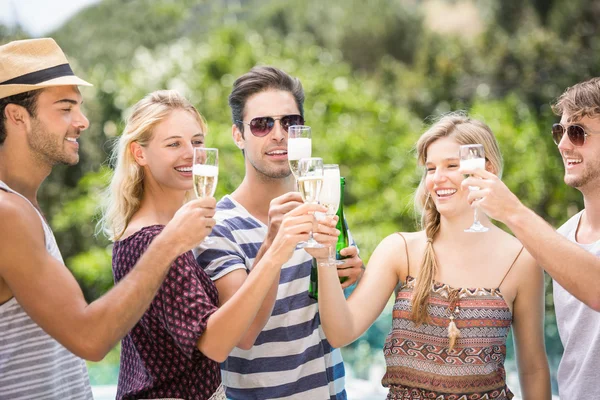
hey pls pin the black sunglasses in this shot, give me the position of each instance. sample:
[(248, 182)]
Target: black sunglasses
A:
[(261, 126), (576, 134)]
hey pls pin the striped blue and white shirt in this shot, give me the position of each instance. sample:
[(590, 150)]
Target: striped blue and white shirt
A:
[(291, 358)]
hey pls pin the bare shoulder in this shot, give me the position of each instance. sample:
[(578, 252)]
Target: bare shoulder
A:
[(138, 222), (398, 250), (526, 264), (393, 244), (516, 251), (22, 230), (414, 238), (524, 270), (17, 215)]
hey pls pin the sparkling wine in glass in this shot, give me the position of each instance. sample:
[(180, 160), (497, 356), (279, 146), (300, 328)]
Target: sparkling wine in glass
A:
[(330, 198), (472, 156), (205, 173), (310, 181), (299, 146)]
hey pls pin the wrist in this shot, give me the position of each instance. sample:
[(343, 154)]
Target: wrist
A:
[(167, 245), (517, 216)]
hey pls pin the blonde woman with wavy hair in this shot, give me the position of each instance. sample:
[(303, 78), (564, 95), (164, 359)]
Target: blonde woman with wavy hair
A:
[(459, 293), (124, 194), (174, 351)]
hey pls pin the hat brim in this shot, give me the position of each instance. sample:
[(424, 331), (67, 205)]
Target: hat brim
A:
[(71, 80)]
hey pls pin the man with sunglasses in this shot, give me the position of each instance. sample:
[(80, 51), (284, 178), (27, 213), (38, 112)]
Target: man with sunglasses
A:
[(290, 358), (571, 256)]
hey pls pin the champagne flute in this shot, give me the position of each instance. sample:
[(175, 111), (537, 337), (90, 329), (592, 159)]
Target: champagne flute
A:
[(472, 156), (299, 146), (330, 198), (310, 180), (205, 172)]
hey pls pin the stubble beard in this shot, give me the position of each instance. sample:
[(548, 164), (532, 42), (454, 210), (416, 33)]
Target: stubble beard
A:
[(46, 147), (265, 174), (588, 177)]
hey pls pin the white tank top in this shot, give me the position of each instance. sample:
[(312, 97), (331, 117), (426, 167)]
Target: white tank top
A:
[(579, 329), (32, 364)]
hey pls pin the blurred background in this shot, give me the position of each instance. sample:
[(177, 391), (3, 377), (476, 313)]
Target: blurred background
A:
[(375, 72)]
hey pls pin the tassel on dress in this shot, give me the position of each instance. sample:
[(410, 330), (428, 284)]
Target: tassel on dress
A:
[(453, 332)]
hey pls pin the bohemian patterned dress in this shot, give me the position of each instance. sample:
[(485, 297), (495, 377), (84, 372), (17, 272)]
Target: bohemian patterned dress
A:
[(420, 364), (159, 357)]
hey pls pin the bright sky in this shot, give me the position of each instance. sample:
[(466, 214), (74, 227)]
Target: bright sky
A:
[(39, 17)]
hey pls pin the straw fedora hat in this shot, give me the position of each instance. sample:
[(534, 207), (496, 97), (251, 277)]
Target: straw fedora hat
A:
[(34, 64)]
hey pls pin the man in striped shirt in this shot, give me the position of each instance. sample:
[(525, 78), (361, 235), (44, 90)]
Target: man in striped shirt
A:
[(290, 357)]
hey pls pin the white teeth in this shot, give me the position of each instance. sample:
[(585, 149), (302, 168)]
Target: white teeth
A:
[(184, 169), (71, 139), (445, 192), (277, 152), (574, 160)]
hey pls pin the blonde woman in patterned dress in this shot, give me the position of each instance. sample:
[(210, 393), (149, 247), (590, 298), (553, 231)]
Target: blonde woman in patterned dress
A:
[(174, 351), (459, 292)]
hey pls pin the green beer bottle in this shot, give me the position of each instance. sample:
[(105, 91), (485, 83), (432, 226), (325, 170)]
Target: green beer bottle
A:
[(342, 243), (342, 226), (313, 286)]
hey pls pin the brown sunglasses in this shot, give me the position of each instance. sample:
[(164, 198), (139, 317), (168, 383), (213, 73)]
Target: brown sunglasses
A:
[(576, 134)]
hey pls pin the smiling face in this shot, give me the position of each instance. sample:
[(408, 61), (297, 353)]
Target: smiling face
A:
[(582, 164), (55, 129), (168, 157), (443, 181), (266, 156)]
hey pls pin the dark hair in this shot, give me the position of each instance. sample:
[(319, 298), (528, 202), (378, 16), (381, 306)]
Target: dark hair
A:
[(257, 80), (580, 100), (27, 100)]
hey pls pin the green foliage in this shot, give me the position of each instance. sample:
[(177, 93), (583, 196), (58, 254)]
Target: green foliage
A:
[(373, 71), (105, 372), (8, 34)]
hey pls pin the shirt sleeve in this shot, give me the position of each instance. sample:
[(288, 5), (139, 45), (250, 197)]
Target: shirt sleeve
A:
[(183, 303), (224, 256)]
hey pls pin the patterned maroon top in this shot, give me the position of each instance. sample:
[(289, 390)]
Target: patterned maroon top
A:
[(159, 357)]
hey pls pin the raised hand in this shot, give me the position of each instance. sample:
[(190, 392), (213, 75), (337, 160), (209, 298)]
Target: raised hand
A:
[(278, 208), (294, 228), (324, 232), (191, 223), (493, 197)]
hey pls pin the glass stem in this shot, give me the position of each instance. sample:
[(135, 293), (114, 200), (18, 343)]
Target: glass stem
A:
[(332, 254), (310, 234)]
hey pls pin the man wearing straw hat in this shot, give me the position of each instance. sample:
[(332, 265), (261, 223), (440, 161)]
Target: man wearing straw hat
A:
[(46, 326)]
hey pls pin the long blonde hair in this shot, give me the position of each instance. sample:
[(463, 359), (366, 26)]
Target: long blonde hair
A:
[(124, 194), (463, 130)]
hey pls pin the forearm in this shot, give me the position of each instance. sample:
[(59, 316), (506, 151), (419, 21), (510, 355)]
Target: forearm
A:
[(336, 318), (107, 320), (535, 383), (248, 308), (263, 315), (575, 269)]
